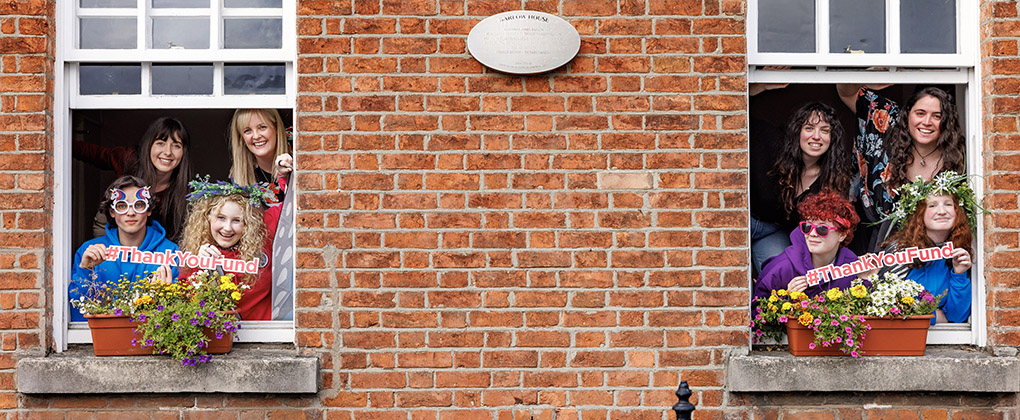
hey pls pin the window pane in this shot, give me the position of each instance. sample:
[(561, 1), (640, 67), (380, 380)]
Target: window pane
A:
[(275, 4), (163, 4), (786, 26), (108, 32), (182, 79), (239, 79), (109, 3), (857, 25), (176, 32), (104, 79), (252, 33), (928, 26)]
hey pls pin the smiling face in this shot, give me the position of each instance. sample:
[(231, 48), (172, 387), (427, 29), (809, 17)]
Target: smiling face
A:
[(227, 224), (130, 222), (260, 137), (815, 136), (939, 217), (924, 121), (166, 154), (819, 245)]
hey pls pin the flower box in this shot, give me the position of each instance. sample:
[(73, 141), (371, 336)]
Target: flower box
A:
[(887, 337), (112, 335)]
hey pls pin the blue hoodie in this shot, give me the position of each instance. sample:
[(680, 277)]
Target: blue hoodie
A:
[(110, 271), (796, 261)]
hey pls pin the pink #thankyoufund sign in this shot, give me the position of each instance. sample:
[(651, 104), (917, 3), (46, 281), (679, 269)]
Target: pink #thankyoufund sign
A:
[(180, 259), (872, 261)]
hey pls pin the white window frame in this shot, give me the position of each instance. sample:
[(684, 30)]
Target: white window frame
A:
[(962, 69), (66, 98)]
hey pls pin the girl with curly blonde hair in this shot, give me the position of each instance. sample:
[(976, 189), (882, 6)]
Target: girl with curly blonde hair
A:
[(225, 221)]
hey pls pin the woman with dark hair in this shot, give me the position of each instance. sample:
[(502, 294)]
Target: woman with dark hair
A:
[(896, 147), (827, 225), (166, 168), (931, 214), (808, 157)]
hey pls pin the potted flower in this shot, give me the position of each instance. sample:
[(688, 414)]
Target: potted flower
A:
[(186, 320), (889, 318)]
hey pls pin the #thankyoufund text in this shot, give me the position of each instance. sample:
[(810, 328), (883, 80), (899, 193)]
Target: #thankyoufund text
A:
[(180, 259), (872, 261)]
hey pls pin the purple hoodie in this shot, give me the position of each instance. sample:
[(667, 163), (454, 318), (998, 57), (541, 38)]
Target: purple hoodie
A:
[(796, 261)]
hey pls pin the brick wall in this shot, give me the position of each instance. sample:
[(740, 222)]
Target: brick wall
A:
[(26, 100), (1001, 84), (481, 245), (474, 245)]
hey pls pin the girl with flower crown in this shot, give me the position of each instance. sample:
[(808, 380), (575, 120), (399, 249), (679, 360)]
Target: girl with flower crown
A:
[(128, 205), (231, 221), (827, 226), (931, 214)]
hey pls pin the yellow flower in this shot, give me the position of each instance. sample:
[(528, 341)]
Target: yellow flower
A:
[(782, 292), (805, 319), (909, 300), (236, 295), (224, 279), (797, 295), (143, 300), (787, 306), (773, 298), (859, 291), (833, 294), (773, 308)]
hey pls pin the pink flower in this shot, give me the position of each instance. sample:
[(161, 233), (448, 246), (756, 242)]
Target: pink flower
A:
[(850, 342), (849, 330), (811, 346), (758, 317), (825, 344), (818, 321), (834, 322), (820, 298), (783, 319), (861, 318), (869, 329), (838, 339), (854, 354), (843, 317), (895, 310), (804, 304)]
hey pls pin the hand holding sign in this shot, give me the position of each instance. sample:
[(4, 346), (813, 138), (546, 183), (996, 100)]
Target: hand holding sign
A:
[(95, 254), (798, 284), (961, 260)]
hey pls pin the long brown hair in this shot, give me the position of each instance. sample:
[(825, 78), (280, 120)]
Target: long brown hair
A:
[(900, 145), (835, 163), (174, 208)]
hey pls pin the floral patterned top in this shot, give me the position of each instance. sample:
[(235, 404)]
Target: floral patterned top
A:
[(875, 114)]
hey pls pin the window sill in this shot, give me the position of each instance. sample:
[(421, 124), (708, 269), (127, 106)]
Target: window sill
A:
[(246, 369), (945, 369)]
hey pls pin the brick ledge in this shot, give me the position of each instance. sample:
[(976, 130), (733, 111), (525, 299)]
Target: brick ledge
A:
[(940, 369), (246, 369)]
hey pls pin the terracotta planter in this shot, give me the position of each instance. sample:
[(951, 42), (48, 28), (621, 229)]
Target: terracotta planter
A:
[(887, 337), (112, 335)]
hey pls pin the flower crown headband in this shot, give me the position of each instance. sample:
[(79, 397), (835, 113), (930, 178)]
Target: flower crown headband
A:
[(945, 183), (257, 194)]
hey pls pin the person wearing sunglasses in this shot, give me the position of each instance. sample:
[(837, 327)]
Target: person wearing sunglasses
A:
[(128, 203), (827, 224)]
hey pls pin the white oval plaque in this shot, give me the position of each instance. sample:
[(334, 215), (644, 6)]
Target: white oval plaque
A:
[(523, 42)]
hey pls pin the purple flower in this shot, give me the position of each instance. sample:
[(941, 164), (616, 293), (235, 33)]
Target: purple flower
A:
[(149, 343), (134, 342), (212, 314), (157, 326), (227, 325), (201, 303), (159, 307), (220, 334), (175, 317), (208, 322), (198, 313), (141, 318), (201, 344), (194, 321), (118, 312), (204, 358)]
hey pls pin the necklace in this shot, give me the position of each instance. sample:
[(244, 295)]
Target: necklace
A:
[(923, 157)]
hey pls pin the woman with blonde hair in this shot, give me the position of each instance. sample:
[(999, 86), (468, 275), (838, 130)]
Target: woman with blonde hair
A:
[(259, 149), (230, 221)]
